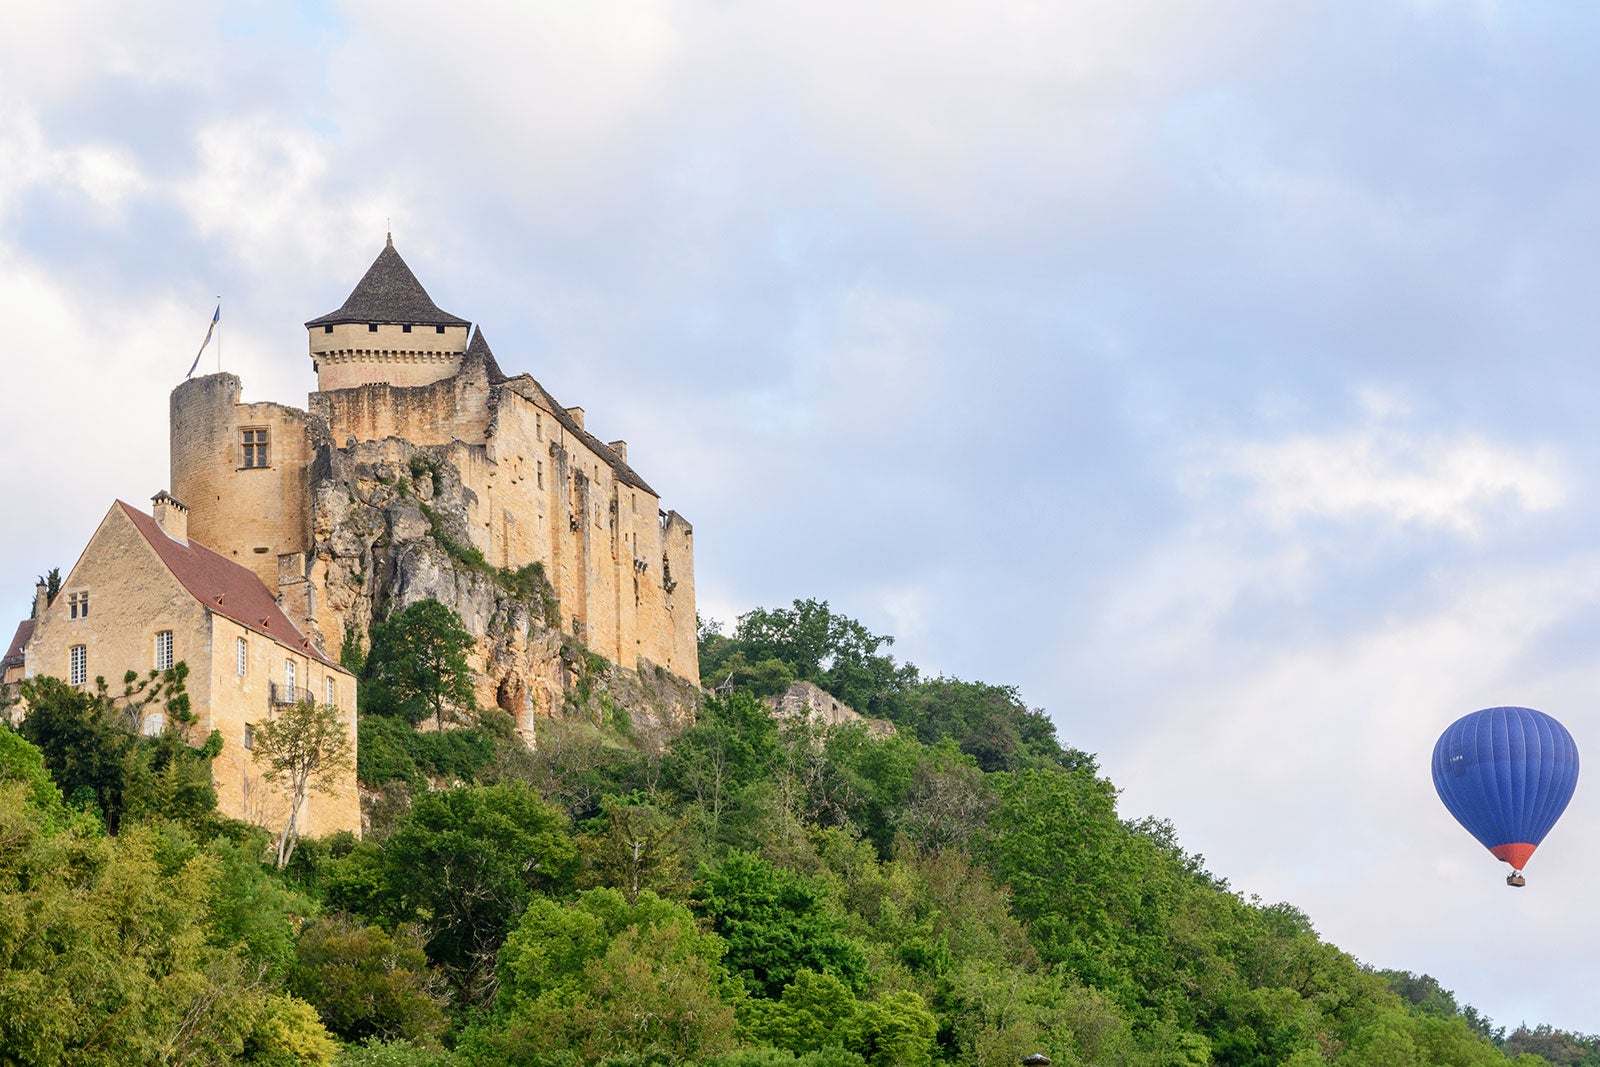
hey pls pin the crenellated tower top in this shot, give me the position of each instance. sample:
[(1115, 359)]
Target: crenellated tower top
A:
[(388, 330)]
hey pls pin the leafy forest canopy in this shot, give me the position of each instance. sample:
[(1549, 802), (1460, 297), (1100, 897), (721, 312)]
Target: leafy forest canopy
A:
[(751, 892)]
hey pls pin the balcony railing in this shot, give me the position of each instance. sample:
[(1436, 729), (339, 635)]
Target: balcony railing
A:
[(288, 694)]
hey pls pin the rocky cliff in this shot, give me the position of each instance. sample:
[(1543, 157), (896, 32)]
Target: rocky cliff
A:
[(389, 530)]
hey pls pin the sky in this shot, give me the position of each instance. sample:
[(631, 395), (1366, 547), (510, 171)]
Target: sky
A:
[(1220, 375)]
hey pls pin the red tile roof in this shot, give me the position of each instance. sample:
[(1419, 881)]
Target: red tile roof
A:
[(223, 586), (13, 656)]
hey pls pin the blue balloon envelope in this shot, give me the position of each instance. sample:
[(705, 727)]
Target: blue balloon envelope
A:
[(1506, 774)]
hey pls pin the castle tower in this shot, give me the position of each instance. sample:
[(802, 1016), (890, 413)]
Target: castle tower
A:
[(242, 471), (388, 330)]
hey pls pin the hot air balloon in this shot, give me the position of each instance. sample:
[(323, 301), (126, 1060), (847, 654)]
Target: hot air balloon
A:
[(1506, 774)]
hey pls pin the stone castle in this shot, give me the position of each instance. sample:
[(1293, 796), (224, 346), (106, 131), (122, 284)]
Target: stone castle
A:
[(416, 439), (419, 470)]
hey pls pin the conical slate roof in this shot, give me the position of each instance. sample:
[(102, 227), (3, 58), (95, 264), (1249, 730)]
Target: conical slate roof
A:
[(389, 294), (479, 347)]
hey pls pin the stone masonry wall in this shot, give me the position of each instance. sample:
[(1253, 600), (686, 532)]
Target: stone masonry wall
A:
[(250, 515), (352, 354)]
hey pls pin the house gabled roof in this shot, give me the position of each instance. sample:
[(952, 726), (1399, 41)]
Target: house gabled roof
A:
[(14, 654), (389, 294), (223, 586)]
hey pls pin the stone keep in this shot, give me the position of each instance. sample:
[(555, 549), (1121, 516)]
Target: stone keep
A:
[(398, 377)]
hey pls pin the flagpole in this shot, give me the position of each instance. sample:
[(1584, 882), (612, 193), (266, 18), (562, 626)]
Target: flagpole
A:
[(219, 333)]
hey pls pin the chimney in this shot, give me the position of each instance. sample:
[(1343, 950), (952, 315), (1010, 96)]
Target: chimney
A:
[(171, 516), (41, 598), (620, 448), (577, 416)]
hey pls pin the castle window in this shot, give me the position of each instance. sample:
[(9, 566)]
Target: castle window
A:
[(330, 692), (249, 735), (406, 328), (372, 327), (78, 605), (539, 471), (328, 328), (164, 650), (288, 681), (240, 658), (438, 329), (79, 673), (255, 447)]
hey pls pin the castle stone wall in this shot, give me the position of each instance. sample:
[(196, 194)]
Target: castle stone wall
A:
[(250, 515), (354, 354), (452, 408)]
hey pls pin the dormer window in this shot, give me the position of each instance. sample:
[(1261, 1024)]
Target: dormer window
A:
[(78, 605), (255, 447)]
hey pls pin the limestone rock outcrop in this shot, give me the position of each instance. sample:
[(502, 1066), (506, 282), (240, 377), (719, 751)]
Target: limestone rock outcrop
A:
[(808, 701), (389, 530)]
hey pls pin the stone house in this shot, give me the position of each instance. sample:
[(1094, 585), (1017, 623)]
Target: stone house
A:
[(144, 595)]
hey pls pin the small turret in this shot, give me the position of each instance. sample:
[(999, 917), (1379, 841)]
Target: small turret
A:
[(388, 330)]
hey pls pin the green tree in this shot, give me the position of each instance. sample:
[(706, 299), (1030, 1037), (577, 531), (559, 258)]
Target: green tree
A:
[(777, 923), (417, 666), (93, 748), (734, 744), (602, 977), (23, 764), (463, 863), (106, 948), (302, 747), (634, 847), (368, 984), (814, 644), (817, 1012)]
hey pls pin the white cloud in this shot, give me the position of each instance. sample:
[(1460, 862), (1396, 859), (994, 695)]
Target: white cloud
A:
[(265, 189), (1384, 473), (104, 175)]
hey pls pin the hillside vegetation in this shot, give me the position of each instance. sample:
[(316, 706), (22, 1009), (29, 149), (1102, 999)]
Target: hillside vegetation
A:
[(749, 894)]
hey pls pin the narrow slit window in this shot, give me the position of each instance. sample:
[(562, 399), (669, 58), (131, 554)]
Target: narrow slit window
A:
[(288, 681), (241, 659), (249, 735), (330, 692)]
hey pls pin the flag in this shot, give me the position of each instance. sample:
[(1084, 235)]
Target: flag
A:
[(215, 317)]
